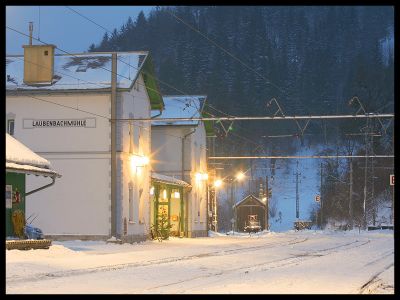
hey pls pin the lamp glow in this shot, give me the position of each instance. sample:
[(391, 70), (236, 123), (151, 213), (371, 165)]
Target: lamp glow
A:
[(152, 190), (177, 195), (138, 161), (218, 183), (239, 176)]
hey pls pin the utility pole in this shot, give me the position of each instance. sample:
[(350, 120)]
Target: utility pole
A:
[(351, 213), (114, 229), (232, 206), (267, 202), (372, 190), (365, 176), (297, 190), (321, 199), (373, 180)]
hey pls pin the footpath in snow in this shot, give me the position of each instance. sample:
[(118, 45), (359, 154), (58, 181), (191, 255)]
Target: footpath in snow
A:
[(280, 263)]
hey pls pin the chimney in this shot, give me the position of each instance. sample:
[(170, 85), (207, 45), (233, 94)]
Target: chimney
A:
[(38, 62), (30, 33)]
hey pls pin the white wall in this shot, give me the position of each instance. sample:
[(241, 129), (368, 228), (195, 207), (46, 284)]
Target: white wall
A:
[(79, 202), (134, 104), (166, 146), (167, 151), (198, 195)]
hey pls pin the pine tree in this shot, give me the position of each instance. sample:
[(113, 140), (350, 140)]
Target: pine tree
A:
[(163, 226)]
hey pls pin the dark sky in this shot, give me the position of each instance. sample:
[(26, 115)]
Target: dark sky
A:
[(64, 28)]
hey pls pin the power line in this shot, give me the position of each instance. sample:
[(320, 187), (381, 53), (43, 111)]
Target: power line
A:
[(157, 79), (83, 16), (107, 30), (304, 157), (252, 118)]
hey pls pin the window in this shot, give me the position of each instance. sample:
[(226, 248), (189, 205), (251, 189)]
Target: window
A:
[(130, 202), (8, 196), (141, 208), (46, 53), (10, 127)]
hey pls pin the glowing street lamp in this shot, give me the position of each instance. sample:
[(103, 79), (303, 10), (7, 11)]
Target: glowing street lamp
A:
[(217, 183), (239, 176)]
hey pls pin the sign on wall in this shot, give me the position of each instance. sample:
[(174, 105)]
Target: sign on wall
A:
[(391, 179), (51, 123)]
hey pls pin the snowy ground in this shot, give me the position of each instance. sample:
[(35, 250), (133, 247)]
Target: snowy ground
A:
[(285, 262)]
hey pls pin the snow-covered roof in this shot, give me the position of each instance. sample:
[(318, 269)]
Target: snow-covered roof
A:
[(247, 197), (168, 179), (188, 106), (86, 71), (28, 169), (20, 158)]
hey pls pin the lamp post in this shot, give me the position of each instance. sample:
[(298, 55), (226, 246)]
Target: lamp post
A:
[(214, 220)]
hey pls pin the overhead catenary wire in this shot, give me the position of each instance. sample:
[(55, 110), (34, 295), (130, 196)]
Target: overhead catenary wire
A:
[(77, 109), (107, 30), (250, 118), (196, 30), (217, 118), (300, 157)]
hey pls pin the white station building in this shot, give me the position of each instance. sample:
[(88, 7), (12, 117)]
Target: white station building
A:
[(63, 107), (179, 152)]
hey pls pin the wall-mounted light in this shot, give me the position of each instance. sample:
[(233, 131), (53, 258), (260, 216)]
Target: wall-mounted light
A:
[(201, 176), (198, 176), (164, 194), (177, 195), (137, 161), (152, 190)]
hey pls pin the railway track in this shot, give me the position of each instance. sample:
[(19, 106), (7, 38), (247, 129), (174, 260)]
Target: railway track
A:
[(76, 272), (264, 266), (375, 283)]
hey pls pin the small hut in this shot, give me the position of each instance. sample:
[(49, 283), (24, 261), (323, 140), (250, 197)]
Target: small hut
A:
[(247, 210)]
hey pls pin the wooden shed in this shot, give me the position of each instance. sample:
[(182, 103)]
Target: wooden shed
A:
[(249, 207)]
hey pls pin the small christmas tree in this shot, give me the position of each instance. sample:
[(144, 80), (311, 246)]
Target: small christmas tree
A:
[(162, 224)]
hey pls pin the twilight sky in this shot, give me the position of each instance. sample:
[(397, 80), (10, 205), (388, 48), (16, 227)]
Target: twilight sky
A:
[(64, 28)]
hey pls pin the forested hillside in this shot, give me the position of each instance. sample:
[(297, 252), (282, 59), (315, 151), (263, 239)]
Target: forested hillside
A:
[(313, 60)]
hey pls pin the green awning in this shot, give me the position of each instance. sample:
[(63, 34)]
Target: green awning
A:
[(209, 125), (152, 88)]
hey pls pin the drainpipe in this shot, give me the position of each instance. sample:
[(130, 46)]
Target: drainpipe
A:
[(157, 114), (113, 144), (183, 153), (53, 178), (183, 178)]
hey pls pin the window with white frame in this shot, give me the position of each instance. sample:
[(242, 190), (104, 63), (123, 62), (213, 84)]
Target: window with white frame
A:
[(141, 206), (130, 202), (10, 126)]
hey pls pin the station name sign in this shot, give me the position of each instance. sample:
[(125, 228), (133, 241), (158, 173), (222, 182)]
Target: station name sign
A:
[(50, 123)]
